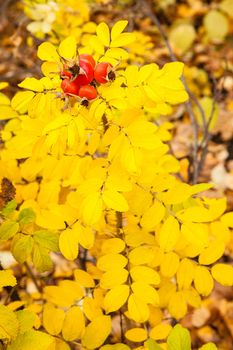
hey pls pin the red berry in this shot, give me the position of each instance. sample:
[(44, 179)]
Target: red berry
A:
[(88, 58), (65, 74), (102, 73), (70, 87), (86, 73), (88, 91)]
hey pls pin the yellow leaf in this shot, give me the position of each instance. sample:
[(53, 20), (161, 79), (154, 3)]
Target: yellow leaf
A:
[(177, 194), (118, 28), (103, 33), (123, 39), (53, 319), (67, 48), (227, 219), (113, 278), (21, 101), (32, 84), (212, 253), (182, 37), (169, 234), (113, 245), (74, 324), (116, 298), (177, 306), (9, 324), (84, 278), (145, 274), (115, 200), (185, 274), (137, 309), (153, 216), (216, 32), (91, 309), (146, 293), (97, 332), (64, 295), (68, 244), (92, 207), (7, 278), (31, 340), (110, 261), (136, 334), (160, 331), (196, 234), (48, 52), (141, 255), (169, 264), (223, 274), (203, 280)]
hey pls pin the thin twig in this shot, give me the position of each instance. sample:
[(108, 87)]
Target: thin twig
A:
[(33, 277)]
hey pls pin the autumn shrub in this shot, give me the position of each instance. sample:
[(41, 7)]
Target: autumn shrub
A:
[(95, 183)]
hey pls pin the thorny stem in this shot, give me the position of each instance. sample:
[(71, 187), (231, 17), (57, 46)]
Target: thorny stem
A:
[(33, 277)]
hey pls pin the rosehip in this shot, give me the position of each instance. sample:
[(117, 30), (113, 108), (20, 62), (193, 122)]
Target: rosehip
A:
[(70, 87), (88, 91), (88, 58), (86, 73), (65, 74), (104, 73)]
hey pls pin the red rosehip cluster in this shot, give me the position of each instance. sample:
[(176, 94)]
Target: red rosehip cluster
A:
[(81, 79)]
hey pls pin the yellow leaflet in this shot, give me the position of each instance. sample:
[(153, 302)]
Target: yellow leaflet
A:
[(115, 200), (169, 234), (227, 219), (31, 340), (223, 274), (113, 278), (142, 134), (62, 120), (212, 253), (112, 245), (96, 44), (169, 264), (103, 33), (74, 324), (165, 293), (141, 255), (153, 216), (137, 309), (118, 28), (64, 295), (116, 298), (68, 244), (177, 194), (160, 331), (92, 207), (48, 52), (123, 39), (195, 214), (146, 293), (84, 278), (195, 234), (185, 273), (91, 308), (32, 84), (9, 324), (93, 337), (86, 237), (7, 278), (53, 319), (136, 334), (192, 297), (67, 48), (177, 306), (111, 261), (21, 100), (203, 280), (145, 274)]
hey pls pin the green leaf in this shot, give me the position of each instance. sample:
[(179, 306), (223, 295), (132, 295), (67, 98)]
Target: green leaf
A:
[(47, 239), (26, 320), (41, 258), (9, 324), (219, 31), (9, 208), (151, 344), (26, 216), (179, 339), (31, 340), (22, 247), (8, 229)]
